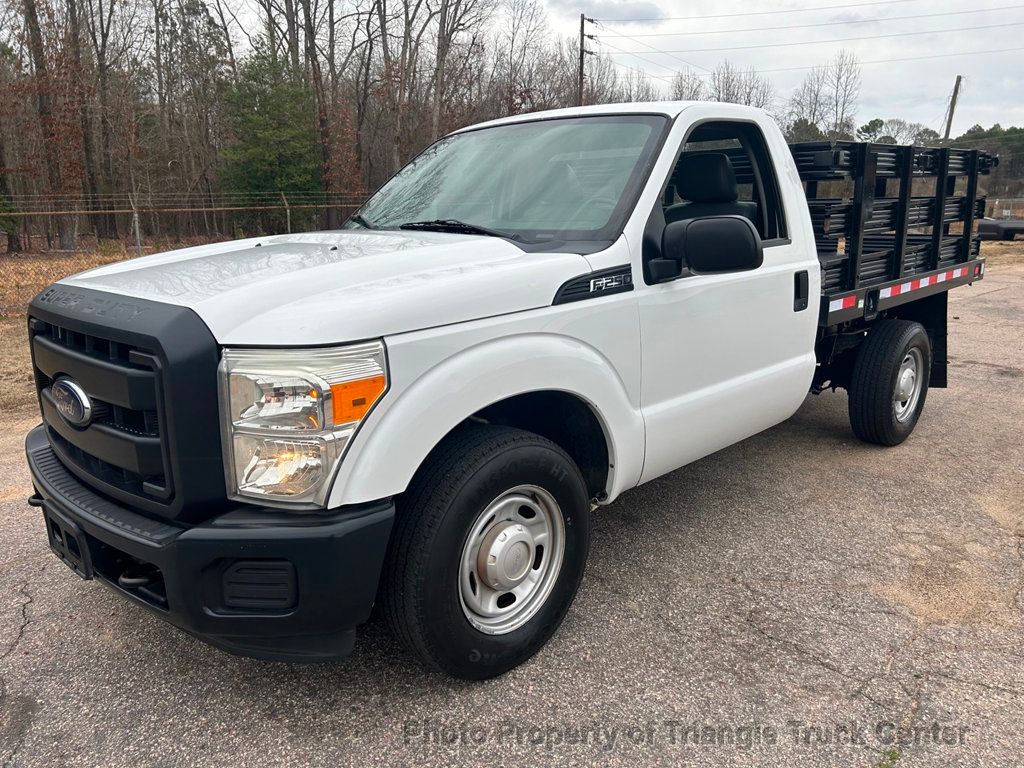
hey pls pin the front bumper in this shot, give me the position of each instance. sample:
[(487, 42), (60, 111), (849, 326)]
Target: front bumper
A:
[(257, 582)]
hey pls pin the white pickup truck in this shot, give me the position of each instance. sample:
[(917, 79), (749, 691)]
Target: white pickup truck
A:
[(260, 440)]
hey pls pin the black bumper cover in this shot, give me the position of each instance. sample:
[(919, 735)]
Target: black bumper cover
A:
[(330, 562)]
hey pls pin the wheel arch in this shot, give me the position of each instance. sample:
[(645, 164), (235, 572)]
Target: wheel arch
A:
[(490, 382), (565, 419)]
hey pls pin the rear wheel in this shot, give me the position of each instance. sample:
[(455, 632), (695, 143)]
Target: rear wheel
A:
[(890, 382), (489, 548)]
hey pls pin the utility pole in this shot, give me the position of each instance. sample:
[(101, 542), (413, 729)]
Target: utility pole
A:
[(952, 107), (579, 84), (583, 52)]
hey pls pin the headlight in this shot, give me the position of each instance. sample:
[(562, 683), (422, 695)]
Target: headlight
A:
[(288, 415)]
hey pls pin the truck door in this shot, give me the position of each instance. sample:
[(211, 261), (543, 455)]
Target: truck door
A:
[(727, 353)]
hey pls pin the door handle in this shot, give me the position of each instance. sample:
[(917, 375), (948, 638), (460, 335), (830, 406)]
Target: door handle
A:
[(800, 291)]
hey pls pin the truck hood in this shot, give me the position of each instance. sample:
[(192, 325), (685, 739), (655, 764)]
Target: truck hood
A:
[(331, 287)]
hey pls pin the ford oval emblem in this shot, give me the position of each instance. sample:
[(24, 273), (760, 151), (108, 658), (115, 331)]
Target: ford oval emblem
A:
[(71, 401)]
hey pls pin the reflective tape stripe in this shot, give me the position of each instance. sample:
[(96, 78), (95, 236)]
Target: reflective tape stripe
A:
[(921, 282), (846, 302)]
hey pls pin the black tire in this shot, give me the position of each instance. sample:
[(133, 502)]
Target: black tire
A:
[(874, 381), (420, 590)]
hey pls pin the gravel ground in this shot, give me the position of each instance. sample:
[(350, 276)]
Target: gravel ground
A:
[(798, 597)]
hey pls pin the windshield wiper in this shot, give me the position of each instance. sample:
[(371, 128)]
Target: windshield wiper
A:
[(461, 227), (362, 221)]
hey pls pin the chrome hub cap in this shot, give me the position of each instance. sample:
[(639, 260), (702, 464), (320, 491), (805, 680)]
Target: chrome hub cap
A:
[(511, 559), (908, 385)]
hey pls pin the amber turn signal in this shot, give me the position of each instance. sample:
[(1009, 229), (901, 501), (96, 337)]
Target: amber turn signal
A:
[(351, 400)]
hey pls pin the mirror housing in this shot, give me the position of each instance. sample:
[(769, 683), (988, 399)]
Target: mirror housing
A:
[(708, 245), (663, 270)]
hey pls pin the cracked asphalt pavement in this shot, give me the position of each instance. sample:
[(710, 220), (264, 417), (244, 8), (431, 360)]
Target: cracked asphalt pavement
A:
[(798, 597)]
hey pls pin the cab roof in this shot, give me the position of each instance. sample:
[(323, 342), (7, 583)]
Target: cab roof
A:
[(667, 108)]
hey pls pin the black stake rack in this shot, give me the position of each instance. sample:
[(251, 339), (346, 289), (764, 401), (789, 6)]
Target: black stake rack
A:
[(880, 231)]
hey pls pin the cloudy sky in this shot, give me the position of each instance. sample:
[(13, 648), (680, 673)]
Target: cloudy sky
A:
[(916, 90)]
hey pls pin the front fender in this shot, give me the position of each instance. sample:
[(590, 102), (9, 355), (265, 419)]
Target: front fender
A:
[(420, 410)]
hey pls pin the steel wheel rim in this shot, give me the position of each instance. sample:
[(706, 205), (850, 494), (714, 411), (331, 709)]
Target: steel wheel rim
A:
[(909, 382), (511, 559)]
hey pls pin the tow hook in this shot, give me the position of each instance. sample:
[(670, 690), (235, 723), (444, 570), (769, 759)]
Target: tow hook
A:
[(136, 576)]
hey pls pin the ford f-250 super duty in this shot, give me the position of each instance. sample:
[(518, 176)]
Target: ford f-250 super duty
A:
[(260, 440)]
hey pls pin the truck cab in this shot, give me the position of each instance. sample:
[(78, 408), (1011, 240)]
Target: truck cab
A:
[(262, 440)]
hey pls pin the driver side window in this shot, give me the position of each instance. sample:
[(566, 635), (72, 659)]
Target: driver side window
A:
[(724, 169)]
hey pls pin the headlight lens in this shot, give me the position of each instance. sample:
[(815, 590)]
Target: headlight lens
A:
[(267, 466), (289, 414), (275, 402)]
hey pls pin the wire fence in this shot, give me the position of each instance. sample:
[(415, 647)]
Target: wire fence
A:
[(48, 222), (136, 227), (1006, 208)]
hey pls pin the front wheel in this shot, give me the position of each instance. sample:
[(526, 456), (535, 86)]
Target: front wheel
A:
[(490, 544), (890, 382)]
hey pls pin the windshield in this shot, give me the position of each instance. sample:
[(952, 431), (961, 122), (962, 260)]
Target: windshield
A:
[(562, 179)]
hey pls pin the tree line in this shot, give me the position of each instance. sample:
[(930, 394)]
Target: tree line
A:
[(224, 112)]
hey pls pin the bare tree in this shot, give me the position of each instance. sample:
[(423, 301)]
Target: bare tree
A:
[(810, 100), (842, 80), (688, 86), (222, 16), (731, 84), (892, 131), (454, 18), (636, 86), (518, 52), (45, 89), (824, 105), (111, 28), (9, 224), (91, 185), (900, 131), (408, 25), (601, 80)]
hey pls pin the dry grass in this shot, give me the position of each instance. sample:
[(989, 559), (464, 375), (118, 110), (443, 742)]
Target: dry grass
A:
[(17, 390), (1002, 252)]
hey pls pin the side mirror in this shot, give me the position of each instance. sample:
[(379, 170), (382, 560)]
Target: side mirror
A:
[(711, 244)]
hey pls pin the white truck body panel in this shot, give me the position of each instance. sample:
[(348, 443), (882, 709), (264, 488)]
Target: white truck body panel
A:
[(724, 356), (441, 375)]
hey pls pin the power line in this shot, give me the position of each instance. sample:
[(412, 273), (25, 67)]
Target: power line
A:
[(639, 71), (842, 39), (764, 13), (650, 47), (908, 58), (639, 56), (816, 24), (861, 63)]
